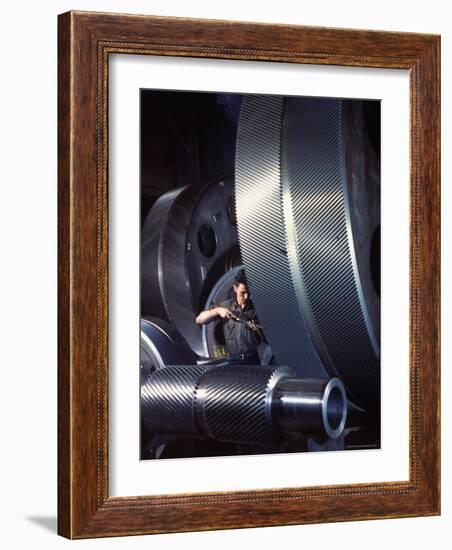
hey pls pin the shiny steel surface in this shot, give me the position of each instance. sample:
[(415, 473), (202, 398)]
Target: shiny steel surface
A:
[(312, 407), (239, 403), (160, 345), (188, 241), (321, 246), (234, 402), (155, 236), (168, 400), (262, 234), (298, 232)]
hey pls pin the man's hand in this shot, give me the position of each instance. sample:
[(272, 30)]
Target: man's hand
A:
[(225, 313), (252, 325)]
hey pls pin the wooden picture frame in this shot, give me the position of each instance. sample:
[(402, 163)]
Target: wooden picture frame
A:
[(86, 40)]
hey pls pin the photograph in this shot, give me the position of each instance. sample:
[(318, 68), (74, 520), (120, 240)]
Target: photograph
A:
[(259, 274), (248, 273)]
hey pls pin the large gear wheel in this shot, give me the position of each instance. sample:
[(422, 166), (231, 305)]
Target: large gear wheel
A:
[(189, 240), (307, 202)]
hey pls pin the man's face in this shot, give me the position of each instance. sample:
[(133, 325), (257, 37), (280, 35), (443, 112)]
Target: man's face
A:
[(241, 294)]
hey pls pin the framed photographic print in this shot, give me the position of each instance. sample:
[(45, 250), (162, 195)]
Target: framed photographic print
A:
[(248, 274), (219, 273)]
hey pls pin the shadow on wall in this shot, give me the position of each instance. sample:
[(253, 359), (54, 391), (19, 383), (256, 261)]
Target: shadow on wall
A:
[(49, 523)]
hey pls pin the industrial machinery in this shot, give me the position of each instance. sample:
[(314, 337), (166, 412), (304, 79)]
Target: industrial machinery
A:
[(301, 216), (306, 238), (189, 240), (161, 345), (242, 403)]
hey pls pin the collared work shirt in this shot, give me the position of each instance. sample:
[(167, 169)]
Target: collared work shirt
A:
[(240, 339)]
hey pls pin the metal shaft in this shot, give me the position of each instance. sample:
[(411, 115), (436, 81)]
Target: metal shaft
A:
[(309, 406), (243, 404)]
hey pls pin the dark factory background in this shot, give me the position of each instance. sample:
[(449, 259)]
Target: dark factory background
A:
[(186, 138)]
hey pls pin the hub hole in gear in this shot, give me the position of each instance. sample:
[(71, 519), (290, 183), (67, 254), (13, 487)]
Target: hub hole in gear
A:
[(335, 407), (375, 259), (207, 241)]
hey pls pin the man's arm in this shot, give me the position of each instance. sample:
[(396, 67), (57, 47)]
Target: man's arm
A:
[(210, 314)]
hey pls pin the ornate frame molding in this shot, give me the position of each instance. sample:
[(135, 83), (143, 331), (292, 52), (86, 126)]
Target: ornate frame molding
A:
[(85, 42)]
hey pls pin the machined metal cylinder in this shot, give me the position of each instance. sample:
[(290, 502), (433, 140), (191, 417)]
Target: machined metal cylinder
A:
[(308, 214), (168, 400), (234, 402), (241, 404), (160, 345), (309, 406)]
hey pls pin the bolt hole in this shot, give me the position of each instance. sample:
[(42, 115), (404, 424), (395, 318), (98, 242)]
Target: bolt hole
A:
[(207, 241)]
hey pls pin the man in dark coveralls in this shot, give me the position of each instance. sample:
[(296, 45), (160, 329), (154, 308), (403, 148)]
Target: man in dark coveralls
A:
[(241, 333)]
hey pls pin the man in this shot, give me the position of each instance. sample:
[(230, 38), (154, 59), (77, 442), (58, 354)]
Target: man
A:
[(241, 332)]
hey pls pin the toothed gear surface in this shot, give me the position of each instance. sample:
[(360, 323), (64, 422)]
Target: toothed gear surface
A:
[(227, 403), (234, 402), (262, 234), (330, 290), (296, 240), (167, 398)]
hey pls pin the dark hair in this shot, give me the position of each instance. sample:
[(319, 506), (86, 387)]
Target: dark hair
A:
[(240, 278)]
